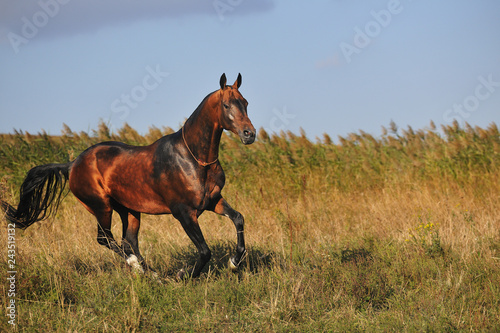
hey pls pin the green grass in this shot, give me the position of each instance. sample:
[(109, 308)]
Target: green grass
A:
[(373, 286), (396, 233)]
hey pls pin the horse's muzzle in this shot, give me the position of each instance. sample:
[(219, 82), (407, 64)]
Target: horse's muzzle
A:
[(247, 136)]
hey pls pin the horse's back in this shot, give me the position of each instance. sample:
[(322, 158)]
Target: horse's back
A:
[(104, 167), (102, 156)]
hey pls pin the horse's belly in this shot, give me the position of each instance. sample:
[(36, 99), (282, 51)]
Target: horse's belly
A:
[(131, 185), (141, 200)]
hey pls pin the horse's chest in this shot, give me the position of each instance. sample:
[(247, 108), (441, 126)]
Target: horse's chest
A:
[(214, 181), (210, 187)]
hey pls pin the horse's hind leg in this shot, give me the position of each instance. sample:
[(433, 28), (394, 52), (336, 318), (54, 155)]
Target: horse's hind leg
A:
[(101, 209), (104, 234), (131, 222), (88, 189)]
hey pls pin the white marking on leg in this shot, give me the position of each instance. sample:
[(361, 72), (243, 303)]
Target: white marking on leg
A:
[(133, 262), (181, 274), (232, 266), (156, 276)]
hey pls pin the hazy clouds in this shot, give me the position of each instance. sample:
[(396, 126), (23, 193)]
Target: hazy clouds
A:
[(67, 17)]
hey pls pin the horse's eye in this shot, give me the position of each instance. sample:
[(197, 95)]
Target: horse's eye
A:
[(226, 106)]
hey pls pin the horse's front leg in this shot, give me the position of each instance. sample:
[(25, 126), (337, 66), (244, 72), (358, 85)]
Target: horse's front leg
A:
[(223, 208)]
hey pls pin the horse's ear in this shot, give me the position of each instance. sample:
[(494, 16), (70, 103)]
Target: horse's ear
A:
[(237, 83), (223, 81)]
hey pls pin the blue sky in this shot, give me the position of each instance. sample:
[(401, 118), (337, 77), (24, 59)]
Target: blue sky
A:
[(333, 66)]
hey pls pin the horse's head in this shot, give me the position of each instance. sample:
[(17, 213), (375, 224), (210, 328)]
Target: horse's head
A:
[(234, 115)]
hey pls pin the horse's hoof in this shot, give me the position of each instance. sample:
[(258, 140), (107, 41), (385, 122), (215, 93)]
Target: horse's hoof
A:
[(232, 265), (181, 274), (156, 277), (133, 262)]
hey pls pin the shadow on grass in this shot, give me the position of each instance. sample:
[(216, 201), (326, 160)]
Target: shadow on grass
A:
[(365, 279), (254, 261), (356, 256), (169, 264)]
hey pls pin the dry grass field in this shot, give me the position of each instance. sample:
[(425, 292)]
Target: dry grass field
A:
[(395, 233)]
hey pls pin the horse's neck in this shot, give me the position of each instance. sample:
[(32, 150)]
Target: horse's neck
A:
[(202, 131)]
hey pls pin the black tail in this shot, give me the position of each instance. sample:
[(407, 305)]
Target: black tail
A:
[(42, 187)]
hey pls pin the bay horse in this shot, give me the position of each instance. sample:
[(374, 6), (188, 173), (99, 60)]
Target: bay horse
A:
[(180, 174)]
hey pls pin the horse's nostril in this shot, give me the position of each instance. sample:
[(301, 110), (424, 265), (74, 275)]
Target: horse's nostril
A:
[(248, 133)]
